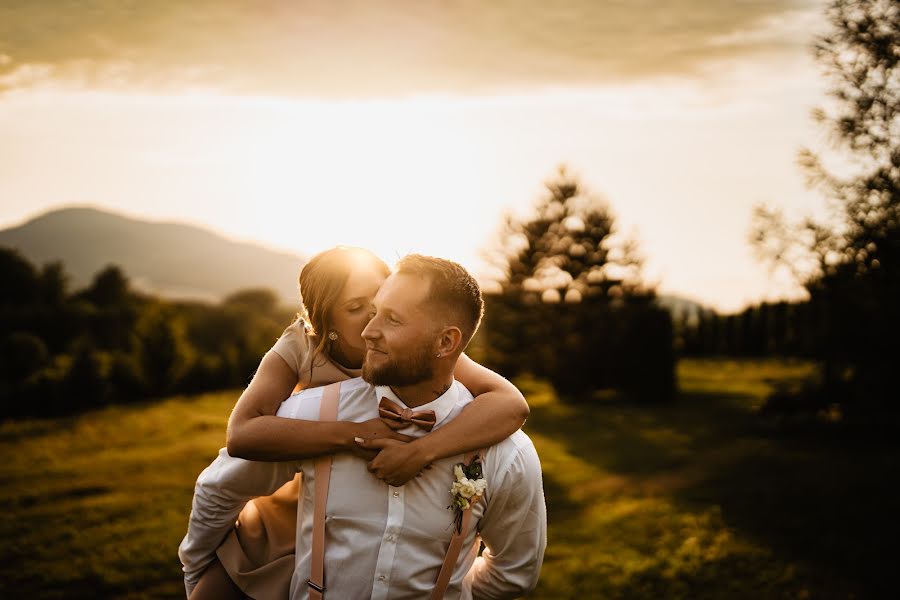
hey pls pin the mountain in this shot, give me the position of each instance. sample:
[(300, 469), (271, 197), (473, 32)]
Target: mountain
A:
[(168, 259)]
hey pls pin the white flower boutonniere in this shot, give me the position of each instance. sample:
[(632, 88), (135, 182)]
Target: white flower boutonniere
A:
[(467, 489)]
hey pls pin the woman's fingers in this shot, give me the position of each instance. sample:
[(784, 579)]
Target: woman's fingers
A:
[(377, 443)]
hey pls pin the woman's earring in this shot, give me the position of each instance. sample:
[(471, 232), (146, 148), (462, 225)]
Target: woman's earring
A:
[(438, 355), (332, 335)]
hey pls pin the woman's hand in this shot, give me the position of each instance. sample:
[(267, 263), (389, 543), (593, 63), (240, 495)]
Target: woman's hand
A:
[(367, 433), (397, 461)]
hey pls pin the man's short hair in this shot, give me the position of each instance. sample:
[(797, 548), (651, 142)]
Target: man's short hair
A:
[(452, 291)]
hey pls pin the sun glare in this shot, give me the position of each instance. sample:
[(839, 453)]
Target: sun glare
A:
[(430, 174), (392, 176)]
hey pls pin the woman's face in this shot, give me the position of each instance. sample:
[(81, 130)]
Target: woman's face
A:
[(352, 312)]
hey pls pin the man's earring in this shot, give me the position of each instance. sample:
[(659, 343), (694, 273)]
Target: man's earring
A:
[(332, 335), (438, 355)]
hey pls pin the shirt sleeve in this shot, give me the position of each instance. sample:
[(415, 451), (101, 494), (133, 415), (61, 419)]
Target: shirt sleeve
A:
[(514, 530), (222, 490)]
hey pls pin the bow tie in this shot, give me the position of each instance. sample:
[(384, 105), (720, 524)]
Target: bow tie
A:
[(388, 409)]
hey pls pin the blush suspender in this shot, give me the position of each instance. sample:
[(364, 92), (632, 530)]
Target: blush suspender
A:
[(316, 582), (440, 586), (327, 412)]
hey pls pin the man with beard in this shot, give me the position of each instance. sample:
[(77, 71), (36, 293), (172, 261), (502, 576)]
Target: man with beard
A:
[(361, 538)]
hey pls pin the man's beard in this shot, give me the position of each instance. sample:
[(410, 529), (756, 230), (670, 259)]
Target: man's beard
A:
[(409, 369)]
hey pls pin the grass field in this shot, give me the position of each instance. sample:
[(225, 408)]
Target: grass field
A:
[(702, 498)]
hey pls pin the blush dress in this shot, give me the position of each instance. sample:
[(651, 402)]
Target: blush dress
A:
[(258, 554)]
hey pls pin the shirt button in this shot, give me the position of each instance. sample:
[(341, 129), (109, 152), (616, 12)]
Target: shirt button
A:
[(390, 538), (381, 578), (396, 494)]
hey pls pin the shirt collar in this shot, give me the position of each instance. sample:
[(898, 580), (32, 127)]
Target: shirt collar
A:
[(442, 405)]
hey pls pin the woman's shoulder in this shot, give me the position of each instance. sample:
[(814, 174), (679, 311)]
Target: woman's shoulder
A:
[(295, 345), (298, 329)]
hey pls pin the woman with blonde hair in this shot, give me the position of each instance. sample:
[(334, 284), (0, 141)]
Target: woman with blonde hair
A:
[(322, 346)]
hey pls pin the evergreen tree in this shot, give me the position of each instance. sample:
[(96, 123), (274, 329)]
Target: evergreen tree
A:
[(573, 308), (850, 264), (567, 249)]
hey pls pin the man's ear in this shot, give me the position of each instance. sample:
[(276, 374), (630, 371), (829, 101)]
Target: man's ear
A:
[(449, 340)]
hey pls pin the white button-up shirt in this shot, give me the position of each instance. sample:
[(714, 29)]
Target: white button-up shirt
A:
[(386, 542)]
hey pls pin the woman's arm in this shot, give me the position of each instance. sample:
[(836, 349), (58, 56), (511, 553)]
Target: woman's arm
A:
[(255, 433), (499, 409)]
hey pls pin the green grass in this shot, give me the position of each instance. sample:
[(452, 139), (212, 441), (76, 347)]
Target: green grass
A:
[(702, 498), (96, 505), (705, 499)]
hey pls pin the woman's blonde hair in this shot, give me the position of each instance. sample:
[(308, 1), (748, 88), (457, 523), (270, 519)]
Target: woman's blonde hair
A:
[(321, 281)]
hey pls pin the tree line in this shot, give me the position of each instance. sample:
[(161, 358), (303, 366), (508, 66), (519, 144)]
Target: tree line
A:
[(570, 308), (785, 329), (65, 351)]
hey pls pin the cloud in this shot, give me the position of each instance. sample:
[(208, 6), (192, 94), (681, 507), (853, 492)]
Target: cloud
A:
[(383, 48)]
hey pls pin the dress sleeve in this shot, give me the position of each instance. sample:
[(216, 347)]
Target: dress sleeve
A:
[(294, 347), (514, 530)]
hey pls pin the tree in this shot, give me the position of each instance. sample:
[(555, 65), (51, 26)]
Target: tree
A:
[(260, 300), (19, 277), (108, 288), (53, 284), (87, 380), (164, 354), (572, 307), (21, 354), (567, 249), (850, 263)]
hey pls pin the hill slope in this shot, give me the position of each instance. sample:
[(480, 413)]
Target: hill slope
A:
[(169, 259)]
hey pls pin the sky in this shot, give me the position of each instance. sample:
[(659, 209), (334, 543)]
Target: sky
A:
[(416, 126)]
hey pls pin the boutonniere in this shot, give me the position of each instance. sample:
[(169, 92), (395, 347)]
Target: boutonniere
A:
[(467, 489)]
